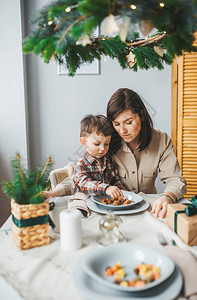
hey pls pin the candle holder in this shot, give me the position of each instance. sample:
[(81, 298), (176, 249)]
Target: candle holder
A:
[(110, 233)]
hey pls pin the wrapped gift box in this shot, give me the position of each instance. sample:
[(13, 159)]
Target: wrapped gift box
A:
[(186, 225)]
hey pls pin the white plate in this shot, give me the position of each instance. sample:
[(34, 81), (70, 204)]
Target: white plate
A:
[(139, 207), (130, 196), (129, 255), (94, 290)]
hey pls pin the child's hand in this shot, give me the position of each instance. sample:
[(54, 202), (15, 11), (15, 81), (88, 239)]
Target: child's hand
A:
[(50, 194), (113, 191)]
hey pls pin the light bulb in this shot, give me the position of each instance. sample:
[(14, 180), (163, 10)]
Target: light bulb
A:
[(50, 23), (161, 4), (133, 6), (68, 9)]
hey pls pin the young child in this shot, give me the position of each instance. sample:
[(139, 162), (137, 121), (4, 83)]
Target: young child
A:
[(94, 172)]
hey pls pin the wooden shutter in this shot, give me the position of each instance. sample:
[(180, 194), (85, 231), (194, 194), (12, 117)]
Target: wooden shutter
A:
[(184, 116)]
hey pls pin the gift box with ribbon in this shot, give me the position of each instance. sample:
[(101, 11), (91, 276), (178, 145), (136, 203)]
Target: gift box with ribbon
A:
[(182, 218)]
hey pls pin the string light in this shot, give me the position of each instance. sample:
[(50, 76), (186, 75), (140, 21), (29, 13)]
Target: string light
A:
[(133, 6), (50, 22), (161, 4), (68, 9)]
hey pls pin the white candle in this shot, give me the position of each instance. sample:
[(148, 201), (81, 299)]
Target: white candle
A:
[(70, 229)]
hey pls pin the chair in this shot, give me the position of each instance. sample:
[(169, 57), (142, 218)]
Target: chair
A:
[(56, 176)]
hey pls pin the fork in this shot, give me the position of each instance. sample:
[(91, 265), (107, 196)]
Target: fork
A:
[(161, 239)]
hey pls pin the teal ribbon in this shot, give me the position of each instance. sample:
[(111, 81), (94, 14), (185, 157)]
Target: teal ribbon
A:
[(51, 205), (190, 210), (35, 221)]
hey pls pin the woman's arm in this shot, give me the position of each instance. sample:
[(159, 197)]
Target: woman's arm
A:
[(170, 172), (171, 175), (160, 205)]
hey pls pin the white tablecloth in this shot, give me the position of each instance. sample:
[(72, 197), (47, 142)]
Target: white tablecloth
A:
[(43, 273)]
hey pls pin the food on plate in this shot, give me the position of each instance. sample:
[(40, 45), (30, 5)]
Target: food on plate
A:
[(117, 201), (145, 273)]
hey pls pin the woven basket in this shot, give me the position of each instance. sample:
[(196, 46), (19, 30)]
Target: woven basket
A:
[(31, 236)]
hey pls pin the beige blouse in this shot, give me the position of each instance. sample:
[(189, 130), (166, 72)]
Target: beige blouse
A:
[(138, 170)]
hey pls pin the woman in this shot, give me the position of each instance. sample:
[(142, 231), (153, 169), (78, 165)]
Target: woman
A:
[(140, 151)]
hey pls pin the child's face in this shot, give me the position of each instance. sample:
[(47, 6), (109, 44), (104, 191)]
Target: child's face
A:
[(96, 145)]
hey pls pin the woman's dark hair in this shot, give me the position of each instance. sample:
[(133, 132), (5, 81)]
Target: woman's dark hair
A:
[(124, 99)]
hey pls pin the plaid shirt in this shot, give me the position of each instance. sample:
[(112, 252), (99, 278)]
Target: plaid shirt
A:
[(92, 177)]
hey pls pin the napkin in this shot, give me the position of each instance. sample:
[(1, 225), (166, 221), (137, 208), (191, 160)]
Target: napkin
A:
[(79, 201), (187, 263)]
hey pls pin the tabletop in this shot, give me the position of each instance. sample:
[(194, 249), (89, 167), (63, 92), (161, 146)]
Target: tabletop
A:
[(44, 273)]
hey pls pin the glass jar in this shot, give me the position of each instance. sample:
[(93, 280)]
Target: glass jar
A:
[(109, 229)]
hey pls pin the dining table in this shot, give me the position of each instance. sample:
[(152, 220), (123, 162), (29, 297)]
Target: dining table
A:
[(46, 272)]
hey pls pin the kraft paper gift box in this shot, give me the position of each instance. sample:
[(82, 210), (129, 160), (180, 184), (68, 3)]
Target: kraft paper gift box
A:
[(185, 226)]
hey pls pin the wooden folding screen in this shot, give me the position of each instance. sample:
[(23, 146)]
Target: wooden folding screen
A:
[(184, 116)]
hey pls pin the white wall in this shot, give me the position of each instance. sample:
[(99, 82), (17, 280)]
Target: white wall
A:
[(62, 102), (12, 105)]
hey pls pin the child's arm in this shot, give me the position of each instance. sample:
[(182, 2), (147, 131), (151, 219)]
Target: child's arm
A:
[(86, 184), (89, 186), (64, 188), (50, 194), (119, 184), (113, 191)]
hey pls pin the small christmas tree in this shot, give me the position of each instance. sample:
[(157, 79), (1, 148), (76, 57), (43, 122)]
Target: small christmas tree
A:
[(27, 187)]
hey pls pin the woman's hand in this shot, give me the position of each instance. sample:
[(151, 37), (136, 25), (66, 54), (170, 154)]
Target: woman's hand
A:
[(160, 207), (113, 191)]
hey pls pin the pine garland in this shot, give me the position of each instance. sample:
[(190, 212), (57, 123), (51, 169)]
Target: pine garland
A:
[(27, 187), (56, 32), (114, 48), (147, 58)]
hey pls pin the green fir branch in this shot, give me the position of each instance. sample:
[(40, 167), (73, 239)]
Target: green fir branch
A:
[(55, 31), (27, 187)]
